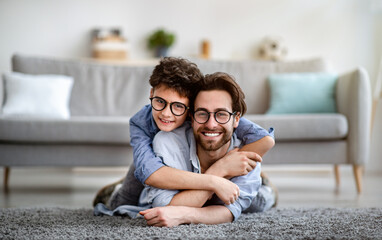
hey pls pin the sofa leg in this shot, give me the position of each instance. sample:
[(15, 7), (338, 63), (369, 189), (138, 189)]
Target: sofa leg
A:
[(337, 175), (358, 170), (6, 179)]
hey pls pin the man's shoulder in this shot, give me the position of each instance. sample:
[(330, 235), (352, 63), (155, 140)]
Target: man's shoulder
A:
[(235, 142), (173, 147)]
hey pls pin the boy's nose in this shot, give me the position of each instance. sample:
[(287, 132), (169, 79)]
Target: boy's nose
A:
[(167, 111)]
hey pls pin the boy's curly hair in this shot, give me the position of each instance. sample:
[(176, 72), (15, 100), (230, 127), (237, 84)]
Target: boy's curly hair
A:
[(178, 74)]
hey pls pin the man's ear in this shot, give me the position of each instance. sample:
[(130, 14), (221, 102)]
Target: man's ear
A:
[(236, 120), (152, 92)]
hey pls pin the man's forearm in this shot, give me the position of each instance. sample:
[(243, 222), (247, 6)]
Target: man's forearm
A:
[(171, 216), (214, 214)]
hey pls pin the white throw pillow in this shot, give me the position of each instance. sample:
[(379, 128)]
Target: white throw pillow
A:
[(45, 96)]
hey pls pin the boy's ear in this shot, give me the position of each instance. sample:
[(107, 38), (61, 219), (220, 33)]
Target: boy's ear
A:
[(152, 92)]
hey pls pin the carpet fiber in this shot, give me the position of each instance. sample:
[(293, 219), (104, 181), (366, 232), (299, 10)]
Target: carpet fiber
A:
[(288, 223)]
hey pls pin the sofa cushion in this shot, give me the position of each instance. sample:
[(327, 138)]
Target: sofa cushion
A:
[(304, 127), (105, 130), (37, 95), (302, 93)]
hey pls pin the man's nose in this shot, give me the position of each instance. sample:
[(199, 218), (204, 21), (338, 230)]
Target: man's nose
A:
[(211, 123)]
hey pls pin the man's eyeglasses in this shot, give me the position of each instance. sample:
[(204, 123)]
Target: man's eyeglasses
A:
[(177, 108), (222, 116)]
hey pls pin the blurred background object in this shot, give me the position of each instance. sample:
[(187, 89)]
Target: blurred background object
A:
[(273, 48), (109, 44), (206, 49), (161, 40), (377, 95)]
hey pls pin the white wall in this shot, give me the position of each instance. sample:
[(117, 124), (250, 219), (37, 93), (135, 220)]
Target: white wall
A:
[(346, 32)]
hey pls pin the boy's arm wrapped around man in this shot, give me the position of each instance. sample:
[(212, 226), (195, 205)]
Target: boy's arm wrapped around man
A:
[(255, 138), (142, 132)]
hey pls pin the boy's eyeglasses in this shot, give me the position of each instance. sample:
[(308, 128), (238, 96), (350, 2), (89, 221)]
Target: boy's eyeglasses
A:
[(177, 108), (222, 116)]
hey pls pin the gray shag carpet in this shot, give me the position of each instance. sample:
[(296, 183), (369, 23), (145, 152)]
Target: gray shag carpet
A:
[(287, 223)]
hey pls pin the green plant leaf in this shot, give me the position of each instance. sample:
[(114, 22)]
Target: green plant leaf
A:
[(161, 38)]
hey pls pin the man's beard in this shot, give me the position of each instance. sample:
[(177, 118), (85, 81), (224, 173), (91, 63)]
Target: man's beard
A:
[(210, 145)]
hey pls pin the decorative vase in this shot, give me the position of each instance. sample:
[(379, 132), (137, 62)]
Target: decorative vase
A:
[(161, 51)]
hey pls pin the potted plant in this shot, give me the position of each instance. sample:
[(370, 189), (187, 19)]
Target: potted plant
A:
[(160, 41)]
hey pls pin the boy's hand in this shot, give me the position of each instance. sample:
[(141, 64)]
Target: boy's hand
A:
[(235, 163), (226, 190)]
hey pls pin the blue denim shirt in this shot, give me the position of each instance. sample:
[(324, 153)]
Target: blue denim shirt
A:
[(177, 149), (143, 129)]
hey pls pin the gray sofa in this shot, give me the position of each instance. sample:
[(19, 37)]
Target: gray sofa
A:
[(106, 95)]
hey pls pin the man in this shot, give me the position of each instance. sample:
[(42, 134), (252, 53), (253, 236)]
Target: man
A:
[(217, 109)]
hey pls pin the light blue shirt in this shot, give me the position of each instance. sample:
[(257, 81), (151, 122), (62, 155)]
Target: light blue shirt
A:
[(177, 149), (143, 129)]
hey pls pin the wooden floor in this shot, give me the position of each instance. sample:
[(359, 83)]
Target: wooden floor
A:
[(298, 187)]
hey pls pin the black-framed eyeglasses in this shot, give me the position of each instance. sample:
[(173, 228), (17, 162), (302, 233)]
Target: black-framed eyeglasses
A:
[(222, 116), (177, 108)]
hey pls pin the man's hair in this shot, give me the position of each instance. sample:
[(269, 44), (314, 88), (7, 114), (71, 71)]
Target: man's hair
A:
[(178, 74), (226, 82)]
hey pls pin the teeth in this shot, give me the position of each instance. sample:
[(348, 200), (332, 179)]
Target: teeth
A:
[(165, 121), (211, 134)]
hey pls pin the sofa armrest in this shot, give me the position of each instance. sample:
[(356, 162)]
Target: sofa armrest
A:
[(2, 93), (353, 97)]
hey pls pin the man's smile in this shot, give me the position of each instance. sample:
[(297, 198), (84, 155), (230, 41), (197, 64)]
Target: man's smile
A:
[(211, 134)]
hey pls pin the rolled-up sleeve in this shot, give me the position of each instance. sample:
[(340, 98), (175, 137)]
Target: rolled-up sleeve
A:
[(250, 132)]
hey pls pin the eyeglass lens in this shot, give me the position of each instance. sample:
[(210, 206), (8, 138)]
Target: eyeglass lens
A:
[(202, 116), (176, 108)]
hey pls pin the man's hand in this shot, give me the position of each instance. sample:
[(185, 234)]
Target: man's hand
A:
[(168, 216), (235, 163)]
